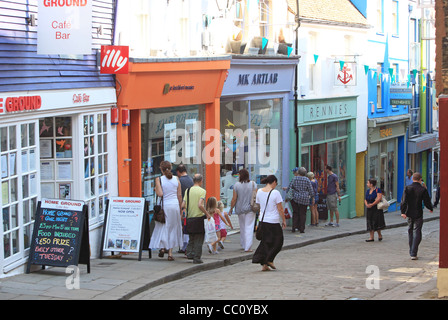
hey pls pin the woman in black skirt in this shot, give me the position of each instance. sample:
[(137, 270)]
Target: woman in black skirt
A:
[(375, 216), (271, 213)]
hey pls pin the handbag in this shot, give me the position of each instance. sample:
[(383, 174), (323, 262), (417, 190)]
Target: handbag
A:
[(159, 213), (383, 204), (254, 207), (259, 233), (193, 225)]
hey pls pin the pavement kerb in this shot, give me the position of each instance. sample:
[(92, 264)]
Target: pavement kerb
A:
[(247, 256)]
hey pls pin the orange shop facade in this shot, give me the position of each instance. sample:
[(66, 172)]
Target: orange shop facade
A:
[(169, 109)]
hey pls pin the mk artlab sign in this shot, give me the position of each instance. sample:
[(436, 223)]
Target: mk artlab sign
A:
[(64, 27)]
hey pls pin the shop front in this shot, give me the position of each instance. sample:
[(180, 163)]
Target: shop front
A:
[(327, 136), (254, 116), (423, 154), (56, 144), (386, 156), (173, 110)]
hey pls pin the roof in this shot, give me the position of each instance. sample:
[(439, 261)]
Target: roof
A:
[(339, 12)]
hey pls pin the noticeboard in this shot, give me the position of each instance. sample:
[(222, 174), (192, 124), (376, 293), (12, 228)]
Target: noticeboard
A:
[(125, 225), (60, 235)]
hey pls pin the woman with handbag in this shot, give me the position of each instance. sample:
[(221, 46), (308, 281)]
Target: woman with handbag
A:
[(168, 234), (243, 200), (374, 216), (269, 230)]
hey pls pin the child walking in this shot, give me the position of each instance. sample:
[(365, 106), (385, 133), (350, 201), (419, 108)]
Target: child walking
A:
[(222, 234), (215, 213)]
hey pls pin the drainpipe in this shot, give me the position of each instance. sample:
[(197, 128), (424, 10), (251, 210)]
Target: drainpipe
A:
[(296, 94)]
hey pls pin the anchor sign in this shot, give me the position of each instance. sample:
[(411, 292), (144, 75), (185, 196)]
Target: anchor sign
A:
[(346, 75)]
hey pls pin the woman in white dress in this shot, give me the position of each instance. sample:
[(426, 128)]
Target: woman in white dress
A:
[(168, 235)]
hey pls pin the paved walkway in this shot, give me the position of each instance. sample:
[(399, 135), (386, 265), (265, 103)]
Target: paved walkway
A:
[(126, 277)]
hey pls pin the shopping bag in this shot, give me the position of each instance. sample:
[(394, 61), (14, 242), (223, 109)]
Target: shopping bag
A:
[(210, 231)]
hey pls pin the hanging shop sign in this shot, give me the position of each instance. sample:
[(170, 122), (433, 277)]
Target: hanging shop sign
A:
[(345, 76), (114, 59), (64, 27)]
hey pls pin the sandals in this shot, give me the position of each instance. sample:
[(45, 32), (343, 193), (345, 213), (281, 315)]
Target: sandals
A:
[(170, 258), (271, 265)]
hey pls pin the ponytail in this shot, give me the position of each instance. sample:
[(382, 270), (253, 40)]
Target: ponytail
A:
[(165, 167)]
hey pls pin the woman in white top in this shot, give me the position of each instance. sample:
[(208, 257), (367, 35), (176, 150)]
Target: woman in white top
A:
[(272, 214), (169, 234)]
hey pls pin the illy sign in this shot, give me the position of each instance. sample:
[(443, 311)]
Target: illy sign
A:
[(114, 59)]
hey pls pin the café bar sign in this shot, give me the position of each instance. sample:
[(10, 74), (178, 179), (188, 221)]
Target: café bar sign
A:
[(64, 27)]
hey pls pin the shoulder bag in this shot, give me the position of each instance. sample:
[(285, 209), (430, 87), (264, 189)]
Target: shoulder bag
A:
[(159, 213), (254, 207), (259, 233), (193, 225), (383, 204)]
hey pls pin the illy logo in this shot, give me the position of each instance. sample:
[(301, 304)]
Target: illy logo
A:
[(115, 59)]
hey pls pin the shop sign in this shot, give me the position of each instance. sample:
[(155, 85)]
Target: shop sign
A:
[(345, 76), (168, 88), (64, 27), (114, 59), (17, 104), (257, 79), (329, 110), (14, 102), (385, 132), (259, 76), (400, 95), (422, 143)]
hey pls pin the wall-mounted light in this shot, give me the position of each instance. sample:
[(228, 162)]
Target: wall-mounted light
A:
[(114, 116), (31, 21), (125, 118)]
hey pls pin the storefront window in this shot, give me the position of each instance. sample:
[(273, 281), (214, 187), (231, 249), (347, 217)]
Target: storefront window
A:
[(174, 135), (327, 145), (251, 138), (96, 166), (56, 157), (382, 166), (19, 181)]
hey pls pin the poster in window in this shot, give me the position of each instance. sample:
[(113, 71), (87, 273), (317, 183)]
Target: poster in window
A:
[(190, 137), (65, 191), (170, 142)]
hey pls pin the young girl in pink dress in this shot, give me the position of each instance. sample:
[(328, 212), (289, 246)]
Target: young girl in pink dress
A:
[(212, 209)]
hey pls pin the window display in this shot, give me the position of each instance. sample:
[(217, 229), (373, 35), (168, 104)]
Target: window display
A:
[(251, 139), (325, 144), (382, 164), (171, 134)]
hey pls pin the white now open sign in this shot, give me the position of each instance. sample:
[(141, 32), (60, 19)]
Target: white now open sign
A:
[(64, 27)]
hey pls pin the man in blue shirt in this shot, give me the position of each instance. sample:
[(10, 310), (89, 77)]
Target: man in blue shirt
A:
[(409, 177), (333, 194)]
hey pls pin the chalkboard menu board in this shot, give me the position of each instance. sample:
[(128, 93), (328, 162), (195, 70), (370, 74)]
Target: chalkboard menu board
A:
[(60, 235), (322, 207)]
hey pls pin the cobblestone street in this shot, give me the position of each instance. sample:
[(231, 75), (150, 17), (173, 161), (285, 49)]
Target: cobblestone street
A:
[(337, 269)]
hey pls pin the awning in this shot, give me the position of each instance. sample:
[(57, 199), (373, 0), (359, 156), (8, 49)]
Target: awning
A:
[(424, 142)]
